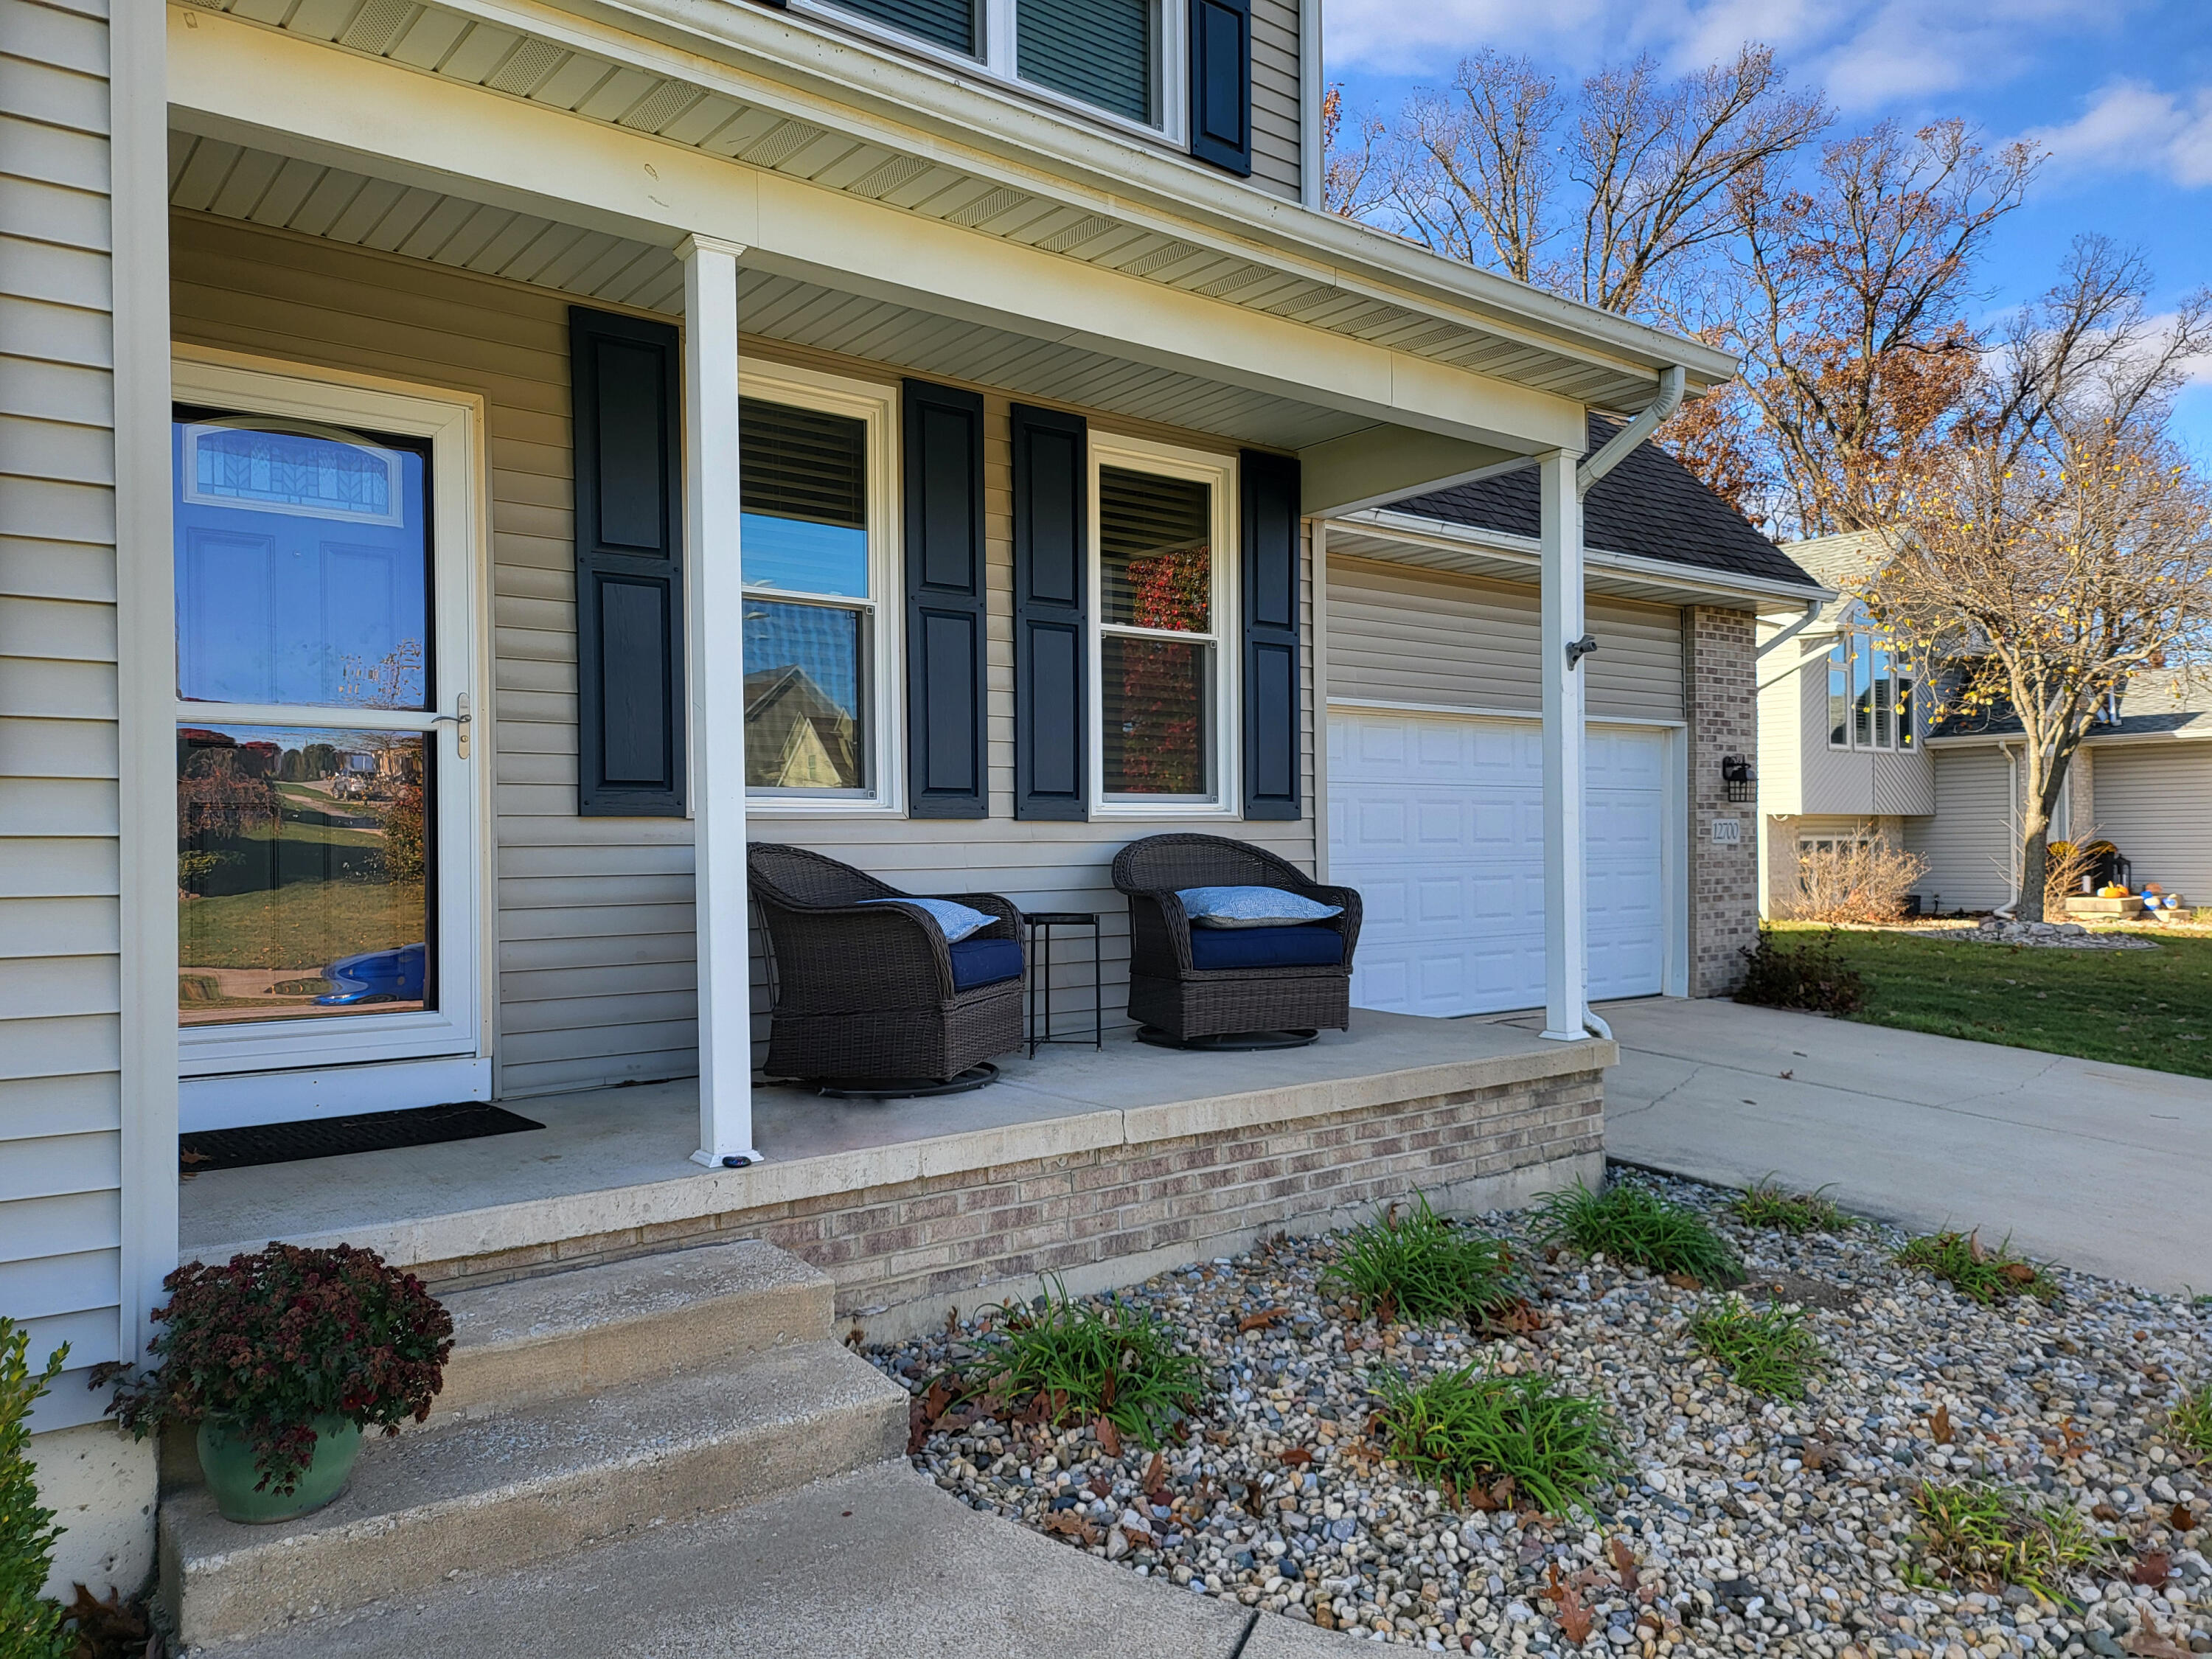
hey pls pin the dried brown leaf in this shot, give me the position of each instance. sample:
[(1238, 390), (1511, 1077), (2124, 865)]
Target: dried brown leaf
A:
[(2181, 1518), (2148, 1644), (2152, 1567), (1940, 1425), (1298, 1456), (1624, 1562), (1110, 1437), (1262, 1320)]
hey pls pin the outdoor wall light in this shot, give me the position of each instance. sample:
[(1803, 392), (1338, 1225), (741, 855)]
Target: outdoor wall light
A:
[(1742, 783)]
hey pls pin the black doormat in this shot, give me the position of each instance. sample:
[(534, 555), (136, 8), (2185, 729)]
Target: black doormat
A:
[(335, 1137)]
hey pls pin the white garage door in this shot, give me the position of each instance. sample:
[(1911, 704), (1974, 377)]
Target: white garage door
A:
[(1439, 824)]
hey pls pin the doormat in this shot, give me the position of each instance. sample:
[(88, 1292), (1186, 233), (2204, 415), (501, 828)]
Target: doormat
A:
[(335, 1137)]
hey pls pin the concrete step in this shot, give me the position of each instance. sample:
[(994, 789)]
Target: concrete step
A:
[(522, 1486), (590, 1329)]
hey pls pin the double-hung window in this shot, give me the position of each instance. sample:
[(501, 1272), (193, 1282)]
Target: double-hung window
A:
[(1162, 668), (1115, 56), (1870, 693), (814, 492)]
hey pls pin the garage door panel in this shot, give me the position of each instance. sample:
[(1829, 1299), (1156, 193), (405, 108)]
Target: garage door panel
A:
[(1439, 823)]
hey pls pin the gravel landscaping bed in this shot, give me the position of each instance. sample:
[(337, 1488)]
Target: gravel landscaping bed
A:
[(1737, 1524)]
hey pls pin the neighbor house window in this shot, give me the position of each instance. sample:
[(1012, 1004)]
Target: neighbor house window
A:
[(811, 489), (1112, 55), (1161, 596), (1870, 693)]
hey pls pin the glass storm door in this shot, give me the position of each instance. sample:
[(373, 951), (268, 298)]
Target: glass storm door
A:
[(324, 801)]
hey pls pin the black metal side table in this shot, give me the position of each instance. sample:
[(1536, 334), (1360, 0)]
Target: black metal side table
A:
[(1040, 924)]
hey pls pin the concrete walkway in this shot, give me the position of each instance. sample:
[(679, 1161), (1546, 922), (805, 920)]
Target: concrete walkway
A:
[(876, 1565), (2104, 1168)]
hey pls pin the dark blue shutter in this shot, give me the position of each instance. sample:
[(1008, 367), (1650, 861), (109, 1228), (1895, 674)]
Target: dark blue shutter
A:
[(944, 598), (1051, 497), (1221, 83), (625, 387), (1274, 719)]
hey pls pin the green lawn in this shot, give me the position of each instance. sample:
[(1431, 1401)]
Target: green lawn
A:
[(302, 925), (2151, 1008)]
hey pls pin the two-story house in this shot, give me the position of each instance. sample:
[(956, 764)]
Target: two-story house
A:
[(473, 465)]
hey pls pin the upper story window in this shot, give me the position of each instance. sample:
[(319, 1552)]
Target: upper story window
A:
[(1870, 693), (1161, 593), (817, 568), (1114, 56)]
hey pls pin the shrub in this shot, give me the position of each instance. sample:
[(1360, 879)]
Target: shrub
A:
[(1861, 879), (1631, 1222), (268, 1342), (2190, 1422), (30, 1625), (1975, 1270), (1501, 1439), (1768, 1204), (1984, 1537), (1421, 1267), (2072, 863), (1120, 1365), (1806, 976), (1768, 1352)]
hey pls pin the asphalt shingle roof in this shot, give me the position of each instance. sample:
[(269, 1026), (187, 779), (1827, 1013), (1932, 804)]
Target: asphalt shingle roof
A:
[(2157, 700), (1651, 505)]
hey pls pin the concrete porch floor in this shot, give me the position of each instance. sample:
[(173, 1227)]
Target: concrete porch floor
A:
[(620, 1158)]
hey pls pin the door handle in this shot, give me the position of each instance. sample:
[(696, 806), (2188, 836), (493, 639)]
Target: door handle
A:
[(459, 719)]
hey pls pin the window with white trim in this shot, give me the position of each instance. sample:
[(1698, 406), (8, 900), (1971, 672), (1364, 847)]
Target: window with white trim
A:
[(1871, 703), (1116, 57), (815, 493), (1163, 671)]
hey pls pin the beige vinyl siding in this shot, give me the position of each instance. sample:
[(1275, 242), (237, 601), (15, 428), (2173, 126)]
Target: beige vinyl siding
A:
[(1277, 106), (1785, 729), (60, 893), (1904, 783), (2154, 802), (1405, 635), (596, 953), (1968, 839)]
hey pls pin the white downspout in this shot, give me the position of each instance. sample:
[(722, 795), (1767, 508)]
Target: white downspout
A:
[(2010, 909), (1812, 615), (1567, 1014)]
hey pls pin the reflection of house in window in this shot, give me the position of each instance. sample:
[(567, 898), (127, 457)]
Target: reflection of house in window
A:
[(797, 737)]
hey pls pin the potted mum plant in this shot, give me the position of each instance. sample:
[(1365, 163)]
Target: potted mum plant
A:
[(281, 1359)]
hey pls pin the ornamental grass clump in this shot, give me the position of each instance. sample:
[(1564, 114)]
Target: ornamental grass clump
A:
[(1767, 1351), (1498, 1442), (1629, 1222), (30, 1625), (2190, 1422), (267, 1343), (1981, 1537), (1987, 1274), (1421, 1267), (1767, 1203), (1081, 1365)]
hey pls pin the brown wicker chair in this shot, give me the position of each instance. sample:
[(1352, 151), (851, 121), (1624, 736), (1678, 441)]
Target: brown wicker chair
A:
[(863, 992), (1172, 995)]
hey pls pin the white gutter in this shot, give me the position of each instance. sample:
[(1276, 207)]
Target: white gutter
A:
[(1671, 381)]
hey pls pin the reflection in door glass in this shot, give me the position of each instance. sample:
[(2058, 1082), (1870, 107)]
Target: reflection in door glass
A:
[(302, 566), (303, 873)]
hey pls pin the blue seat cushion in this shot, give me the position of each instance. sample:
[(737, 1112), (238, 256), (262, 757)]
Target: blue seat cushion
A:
[(985, 962), (1265, 947)]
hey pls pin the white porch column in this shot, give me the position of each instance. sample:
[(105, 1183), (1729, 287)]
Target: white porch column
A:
[(1566, 922), (718, 699)]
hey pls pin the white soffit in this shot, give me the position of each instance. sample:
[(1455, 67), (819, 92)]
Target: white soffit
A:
[(552, 73), (257, 186)]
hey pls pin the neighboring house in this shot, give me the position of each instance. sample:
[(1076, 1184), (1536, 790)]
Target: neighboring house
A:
[(727, 421), (1851, 748)]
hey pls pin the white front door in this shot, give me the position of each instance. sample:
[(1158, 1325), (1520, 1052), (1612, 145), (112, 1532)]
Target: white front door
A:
[(328, 770), (1438, 821)]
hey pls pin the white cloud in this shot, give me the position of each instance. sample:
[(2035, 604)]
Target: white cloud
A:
[(2131, 125)]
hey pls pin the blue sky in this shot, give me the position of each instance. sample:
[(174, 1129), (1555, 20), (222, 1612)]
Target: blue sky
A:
[(2119, 91)]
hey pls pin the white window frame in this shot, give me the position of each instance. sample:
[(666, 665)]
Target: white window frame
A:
[(996, 62), (1225, 634), (876, 408), (299, 1056), (1856, 640)]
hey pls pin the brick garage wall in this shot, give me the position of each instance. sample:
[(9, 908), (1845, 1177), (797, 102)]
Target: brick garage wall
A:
[(1120, 1214), (1719, 682)]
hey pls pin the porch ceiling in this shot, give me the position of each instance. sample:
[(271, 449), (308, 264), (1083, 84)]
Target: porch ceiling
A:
[(262, 187), (774, 92)]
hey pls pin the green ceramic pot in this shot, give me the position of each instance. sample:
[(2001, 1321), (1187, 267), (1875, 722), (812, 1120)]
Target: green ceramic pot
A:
[(226, 1460)]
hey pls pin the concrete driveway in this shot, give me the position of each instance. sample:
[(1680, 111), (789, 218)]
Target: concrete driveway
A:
[(2104, 1168)]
